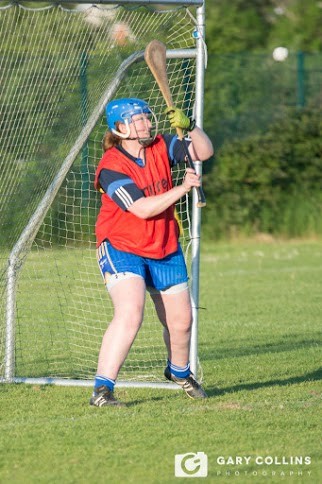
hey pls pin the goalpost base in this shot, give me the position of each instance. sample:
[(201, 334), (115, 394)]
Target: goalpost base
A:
[(90, 383)]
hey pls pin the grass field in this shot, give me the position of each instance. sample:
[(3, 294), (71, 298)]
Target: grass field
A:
[(260, 351)]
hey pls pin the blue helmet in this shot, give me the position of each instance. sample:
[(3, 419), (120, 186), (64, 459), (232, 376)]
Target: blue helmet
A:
[(123, 109)]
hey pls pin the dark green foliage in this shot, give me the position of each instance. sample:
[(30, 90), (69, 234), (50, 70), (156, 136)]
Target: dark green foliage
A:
[(236, 26), (269, 182), (261, 25), (246, 92)]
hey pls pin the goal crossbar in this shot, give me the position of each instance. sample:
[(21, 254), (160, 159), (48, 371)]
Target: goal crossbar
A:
[(183, 3)]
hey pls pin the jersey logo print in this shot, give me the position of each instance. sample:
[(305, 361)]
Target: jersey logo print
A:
[(155, 187)]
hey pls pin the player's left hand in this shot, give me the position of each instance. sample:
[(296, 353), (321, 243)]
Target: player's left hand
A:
[(177, 118)]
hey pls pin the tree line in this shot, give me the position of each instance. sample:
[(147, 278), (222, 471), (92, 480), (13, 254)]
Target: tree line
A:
[(264, 118)]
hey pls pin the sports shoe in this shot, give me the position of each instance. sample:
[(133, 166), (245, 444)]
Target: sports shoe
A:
[(189, 384), (104, 397)]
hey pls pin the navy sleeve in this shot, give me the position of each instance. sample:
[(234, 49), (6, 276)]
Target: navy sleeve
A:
[(175, 149), (120, 188)]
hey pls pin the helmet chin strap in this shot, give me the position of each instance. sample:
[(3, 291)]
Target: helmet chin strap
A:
[(146, 141), (143, 141)]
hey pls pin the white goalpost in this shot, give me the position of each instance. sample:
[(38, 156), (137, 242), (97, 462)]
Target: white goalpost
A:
[(59, 67)]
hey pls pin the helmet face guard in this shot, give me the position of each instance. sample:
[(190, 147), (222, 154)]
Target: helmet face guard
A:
[(122, 110)]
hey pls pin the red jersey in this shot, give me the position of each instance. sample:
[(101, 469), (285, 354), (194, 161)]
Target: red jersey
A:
[(155, 237)]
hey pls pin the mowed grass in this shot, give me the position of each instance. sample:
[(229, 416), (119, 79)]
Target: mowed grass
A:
[(260, 351)]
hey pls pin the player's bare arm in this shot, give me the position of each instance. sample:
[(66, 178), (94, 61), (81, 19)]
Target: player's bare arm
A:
[(201, 147)]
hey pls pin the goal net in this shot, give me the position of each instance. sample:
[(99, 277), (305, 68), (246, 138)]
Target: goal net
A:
[(58, 67)]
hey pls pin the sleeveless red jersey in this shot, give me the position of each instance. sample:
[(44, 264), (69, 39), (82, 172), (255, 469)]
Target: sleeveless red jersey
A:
[(155, 237)]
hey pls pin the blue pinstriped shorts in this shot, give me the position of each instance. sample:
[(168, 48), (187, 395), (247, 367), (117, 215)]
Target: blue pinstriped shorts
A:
[(159, 274)]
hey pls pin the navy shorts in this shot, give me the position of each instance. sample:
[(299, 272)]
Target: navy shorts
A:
[(158, 274)]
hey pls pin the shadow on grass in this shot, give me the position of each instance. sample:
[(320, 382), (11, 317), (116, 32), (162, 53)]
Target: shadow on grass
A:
[(314, 376), (240, 348), (140, 401)]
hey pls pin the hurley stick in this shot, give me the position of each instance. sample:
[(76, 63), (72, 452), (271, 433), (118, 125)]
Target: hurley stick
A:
[(155, 57)]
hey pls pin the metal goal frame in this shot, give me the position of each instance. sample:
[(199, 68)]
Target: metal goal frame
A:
[(30, 231)]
